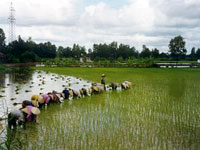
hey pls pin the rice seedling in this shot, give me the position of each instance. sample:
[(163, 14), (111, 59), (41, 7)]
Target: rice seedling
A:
[(161, 111)]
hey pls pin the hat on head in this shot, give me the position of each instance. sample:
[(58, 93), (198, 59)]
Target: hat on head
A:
[(103, 75), (40, 99), (35, 111), (34, 97), (62, 95), (71, 92), (96, 88), (25, 110), (58, 95), (35, 103)]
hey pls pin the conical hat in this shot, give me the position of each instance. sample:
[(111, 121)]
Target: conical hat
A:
[(25, 110), (34, 97), (35, 111), (40, 99), (35, 103), (96, 88), (62, 95), (81, 91), (70, 92), (75, 92), (51, 96), (58, 95)]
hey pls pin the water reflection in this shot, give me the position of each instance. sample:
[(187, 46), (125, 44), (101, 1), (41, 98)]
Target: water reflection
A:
[(17, 75), (21, 83), (21, 75), (2, 80)]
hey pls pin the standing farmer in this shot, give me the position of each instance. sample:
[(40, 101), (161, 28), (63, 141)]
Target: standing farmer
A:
[(103, 80)]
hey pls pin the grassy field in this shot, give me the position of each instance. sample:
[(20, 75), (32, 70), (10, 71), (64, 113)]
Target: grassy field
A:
[(160, 111), (119, 74)]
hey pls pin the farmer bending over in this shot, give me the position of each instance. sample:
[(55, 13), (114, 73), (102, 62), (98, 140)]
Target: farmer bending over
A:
[(31, 113)]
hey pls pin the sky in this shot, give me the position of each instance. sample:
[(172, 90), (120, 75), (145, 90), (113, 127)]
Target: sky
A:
[(85, 22)]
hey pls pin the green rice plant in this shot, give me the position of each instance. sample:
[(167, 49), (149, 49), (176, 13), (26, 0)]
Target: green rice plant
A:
[(160, 111), (9, 141), (8, 138)]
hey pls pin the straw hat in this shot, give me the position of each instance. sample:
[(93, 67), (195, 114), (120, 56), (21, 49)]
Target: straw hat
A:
[(71, 92), (103, 75), (51, 96), (58, 95), (35, 111), (96, 88), (34, 97), (35, 103), (25, 110), (62, 95), (40, 99)]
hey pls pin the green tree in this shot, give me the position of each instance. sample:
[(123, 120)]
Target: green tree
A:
[(46, 50), (78, 51), (177, 47), (155, 53), (198, 53), (64, 52), (113, 50), (125, 51), (2, 38), (145, 52), (164, 55), (17, 48), (101, 51), (28, 57), (193, 53)]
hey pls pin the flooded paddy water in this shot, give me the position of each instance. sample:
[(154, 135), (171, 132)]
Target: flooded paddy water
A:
[(161, 110), (21, 83)]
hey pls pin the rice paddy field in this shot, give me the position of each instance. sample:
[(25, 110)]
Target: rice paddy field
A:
[(160, 111)]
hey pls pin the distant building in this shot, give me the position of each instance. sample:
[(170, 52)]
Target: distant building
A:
[(198, 60), (81, 60), (87, 60)]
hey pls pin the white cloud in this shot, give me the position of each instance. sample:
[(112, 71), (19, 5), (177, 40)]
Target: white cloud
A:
[(45, 12), (138, 22)]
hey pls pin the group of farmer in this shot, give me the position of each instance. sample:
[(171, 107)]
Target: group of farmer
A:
[(31, 109)]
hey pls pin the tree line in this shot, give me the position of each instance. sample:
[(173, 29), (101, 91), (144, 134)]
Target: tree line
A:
[(21, 51)]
